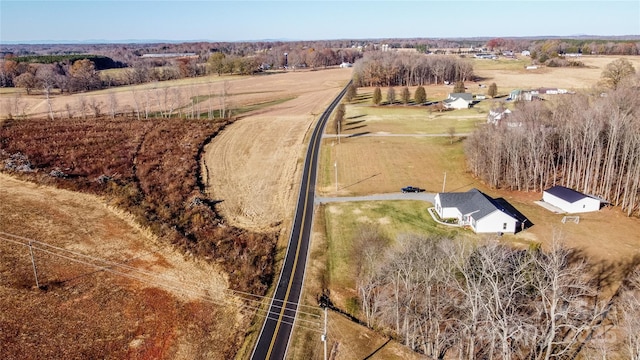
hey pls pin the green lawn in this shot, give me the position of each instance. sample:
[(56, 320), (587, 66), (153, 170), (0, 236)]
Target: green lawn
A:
[(501, 64), (410, 119), (393, 218)]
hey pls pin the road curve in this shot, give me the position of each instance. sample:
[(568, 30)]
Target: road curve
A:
[(275, 334)]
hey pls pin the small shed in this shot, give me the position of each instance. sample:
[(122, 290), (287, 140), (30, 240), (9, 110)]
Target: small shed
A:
[(569, 200)]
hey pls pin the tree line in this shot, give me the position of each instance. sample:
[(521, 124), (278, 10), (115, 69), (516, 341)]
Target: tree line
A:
[(589, 143), (448, 299), (409, 69)]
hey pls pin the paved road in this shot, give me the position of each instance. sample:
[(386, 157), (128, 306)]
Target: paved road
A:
[(430, 197), (276, 330)]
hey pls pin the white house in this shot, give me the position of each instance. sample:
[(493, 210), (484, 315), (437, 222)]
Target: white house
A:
[(476, 210), (496, 115), (569, 200), (458, 101)]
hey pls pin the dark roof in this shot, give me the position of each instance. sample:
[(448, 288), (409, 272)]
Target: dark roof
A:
[(472, 202), (566, 194)]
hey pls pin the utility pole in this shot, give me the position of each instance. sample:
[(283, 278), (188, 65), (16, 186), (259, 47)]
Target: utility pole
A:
[(324, 334), (335, 165), (444, 181), (33, 262)]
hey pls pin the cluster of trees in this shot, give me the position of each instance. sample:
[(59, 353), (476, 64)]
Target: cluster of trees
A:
[(419, 97), (409, 69), (589, 143), (448, 299), (81, 75)]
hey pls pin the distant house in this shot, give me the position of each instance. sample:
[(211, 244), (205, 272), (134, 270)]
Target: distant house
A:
[(523, 95), (497, 115), (569, 200), (552, 91), (485, 56), (458, 101), (346, 65), (476, 210), (525, 53)]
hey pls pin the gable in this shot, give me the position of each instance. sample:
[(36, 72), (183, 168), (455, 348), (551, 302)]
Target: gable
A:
[(465, 96), (472, 202)]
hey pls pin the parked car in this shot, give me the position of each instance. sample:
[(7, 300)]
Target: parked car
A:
[(411, 189)]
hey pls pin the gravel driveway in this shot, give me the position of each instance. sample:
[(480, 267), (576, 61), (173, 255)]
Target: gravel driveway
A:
[(424, 196)]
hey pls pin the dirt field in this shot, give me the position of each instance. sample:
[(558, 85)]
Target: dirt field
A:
[(254, 164), (83, 312)]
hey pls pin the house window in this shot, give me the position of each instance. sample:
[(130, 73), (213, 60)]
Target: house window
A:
[(504, 226)]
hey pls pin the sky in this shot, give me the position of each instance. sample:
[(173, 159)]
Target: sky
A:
[(211, 20)]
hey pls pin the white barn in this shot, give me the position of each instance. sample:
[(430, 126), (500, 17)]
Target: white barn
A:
[(569, 200), (476, 210)]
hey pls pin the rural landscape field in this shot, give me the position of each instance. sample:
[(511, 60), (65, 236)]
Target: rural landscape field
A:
[(146, 208)]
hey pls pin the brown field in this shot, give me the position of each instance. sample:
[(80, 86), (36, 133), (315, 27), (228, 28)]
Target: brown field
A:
[(82, 312), (205, 91), (254, 164), (570, 78)]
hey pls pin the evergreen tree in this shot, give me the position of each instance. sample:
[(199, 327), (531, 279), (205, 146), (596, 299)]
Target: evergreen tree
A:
[(458, 87), (420, 97), (377, 96), (352, 92), (391, 95), (405, 96), (493, 90)]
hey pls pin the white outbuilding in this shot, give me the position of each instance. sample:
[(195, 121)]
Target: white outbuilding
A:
[(569, 200)]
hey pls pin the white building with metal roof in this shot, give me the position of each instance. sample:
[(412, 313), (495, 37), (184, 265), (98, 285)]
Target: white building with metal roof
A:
[(569, 200)]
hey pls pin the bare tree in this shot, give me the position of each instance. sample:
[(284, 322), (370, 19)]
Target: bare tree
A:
[(339, 117), (95, 106), (566, 309), (113, 105), (616, 72), (82, 106), (451, 131), (629, 309), (27, 81), (136, 102), (69, 110)]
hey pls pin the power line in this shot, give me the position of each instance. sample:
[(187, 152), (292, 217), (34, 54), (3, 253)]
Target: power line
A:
[(223, 301), (27, 241), (172, 284)]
